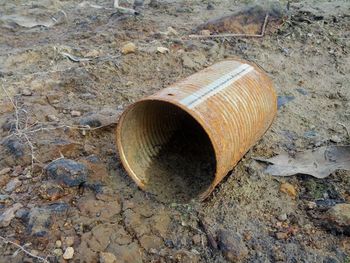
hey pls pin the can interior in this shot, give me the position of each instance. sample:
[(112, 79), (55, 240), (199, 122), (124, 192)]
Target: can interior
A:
[(166, 150)]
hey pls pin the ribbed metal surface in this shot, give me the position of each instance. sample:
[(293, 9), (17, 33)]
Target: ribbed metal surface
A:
[(234, 101)]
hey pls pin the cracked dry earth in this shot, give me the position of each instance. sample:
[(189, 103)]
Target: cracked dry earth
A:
[(64, 194)]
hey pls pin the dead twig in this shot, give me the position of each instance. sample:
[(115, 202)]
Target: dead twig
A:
[(19, 131), (23, 249), (208, 233), (262, 34)]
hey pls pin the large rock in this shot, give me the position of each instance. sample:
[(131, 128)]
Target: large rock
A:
[(67, 172), (232, 246)]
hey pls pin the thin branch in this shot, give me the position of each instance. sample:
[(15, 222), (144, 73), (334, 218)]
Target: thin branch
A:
[(262, 34), (23, 249)]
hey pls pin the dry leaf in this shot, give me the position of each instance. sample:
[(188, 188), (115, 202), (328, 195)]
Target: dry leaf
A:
[(319, 162)]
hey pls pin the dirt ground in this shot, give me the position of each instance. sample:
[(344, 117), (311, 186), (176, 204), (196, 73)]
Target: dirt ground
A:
[(63, 186)]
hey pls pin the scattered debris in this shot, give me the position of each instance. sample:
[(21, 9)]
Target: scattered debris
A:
[(320, 162)]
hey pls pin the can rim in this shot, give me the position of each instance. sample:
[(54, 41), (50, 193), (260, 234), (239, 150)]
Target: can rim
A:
[(193, 114)]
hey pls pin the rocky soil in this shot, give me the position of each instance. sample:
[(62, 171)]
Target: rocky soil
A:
[(64, 195)]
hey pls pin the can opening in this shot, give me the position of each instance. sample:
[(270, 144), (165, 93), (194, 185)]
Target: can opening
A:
[(166, 150)]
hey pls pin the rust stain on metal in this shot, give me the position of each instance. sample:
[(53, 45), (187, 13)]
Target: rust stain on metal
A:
[(233, 101)]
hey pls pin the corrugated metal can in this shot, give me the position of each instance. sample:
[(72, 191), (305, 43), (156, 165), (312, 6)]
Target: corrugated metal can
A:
[(187, 137)]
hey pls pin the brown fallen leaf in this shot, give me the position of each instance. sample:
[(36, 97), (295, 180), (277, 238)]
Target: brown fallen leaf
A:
[(320, 162)]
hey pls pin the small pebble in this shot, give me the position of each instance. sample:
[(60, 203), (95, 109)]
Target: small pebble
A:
[(196, 239), (68, 254), (210, 6), (281, 235), (311, 205), (52, 117), (26, 92), (75, 113), (172, 31), (68, 241), (12, 185), (106, 257), (128, 48), (58, 243), (282, 217), (205, 32), (162, 50), (335, 139), (58, 252), (5, 171)]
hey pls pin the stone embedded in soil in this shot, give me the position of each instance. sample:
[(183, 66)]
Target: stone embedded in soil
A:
[(40, 218), (281, 235), (335, 138), (288, 189), (68, 253), (22, 214), (130, 253), (14, 147), (52, 149), (75, 113), (5, 171), (106, 257), (128, 48), (12, 185), (53, 118), (57, 252), (194, 60), (338, 218), (58, 243), (26, 92), (151, 241), (67, 172), (232, 246), (282, 217), (68, 241), (162, 50), (9, 214), (103, 210)]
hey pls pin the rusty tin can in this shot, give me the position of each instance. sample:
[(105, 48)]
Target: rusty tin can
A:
[(224, 110)]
